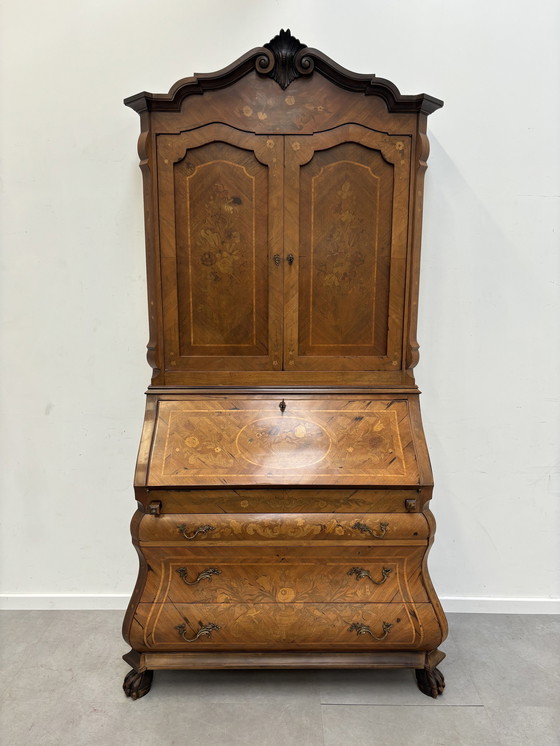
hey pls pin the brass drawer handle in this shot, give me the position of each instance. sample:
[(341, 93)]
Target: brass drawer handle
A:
[(183, 572), (204, 631), (200, 530), (290, 259), (367, 530), (277, 259), (360, 573), (363, 629)]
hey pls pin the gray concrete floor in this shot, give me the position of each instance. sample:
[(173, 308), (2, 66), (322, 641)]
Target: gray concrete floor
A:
[(62, 676)]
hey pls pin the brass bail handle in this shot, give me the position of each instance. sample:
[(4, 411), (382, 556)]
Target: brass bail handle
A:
[(360, 573), (363, 629), (205, 574), (365, 529), (204, 631), (202, 530)]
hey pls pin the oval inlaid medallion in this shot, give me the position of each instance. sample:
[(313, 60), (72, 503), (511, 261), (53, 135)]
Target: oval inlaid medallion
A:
[(283, 442)]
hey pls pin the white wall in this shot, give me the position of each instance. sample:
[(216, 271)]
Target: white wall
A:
[(73, 299)]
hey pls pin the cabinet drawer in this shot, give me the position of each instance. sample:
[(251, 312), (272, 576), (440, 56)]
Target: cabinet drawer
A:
[(253, 527), (284, 626), (234, 575), (308, 500)]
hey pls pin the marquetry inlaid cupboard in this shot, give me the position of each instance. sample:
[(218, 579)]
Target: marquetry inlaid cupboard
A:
[(283, 480)]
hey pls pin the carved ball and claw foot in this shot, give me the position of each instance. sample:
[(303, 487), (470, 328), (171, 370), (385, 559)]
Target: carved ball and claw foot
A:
[(137, 684), (430, 681)]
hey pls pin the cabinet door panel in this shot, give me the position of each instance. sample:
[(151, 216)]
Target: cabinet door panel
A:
[(220, 214), (346, 197)]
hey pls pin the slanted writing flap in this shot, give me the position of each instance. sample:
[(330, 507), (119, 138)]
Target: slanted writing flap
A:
[(259, 441)]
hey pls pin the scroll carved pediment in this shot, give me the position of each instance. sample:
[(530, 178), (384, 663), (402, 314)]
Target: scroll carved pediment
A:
[(284, 59), (285, 62)]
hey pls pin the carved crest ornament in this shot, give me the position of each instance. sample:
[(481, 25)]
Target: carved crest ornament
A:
[(286, 60)]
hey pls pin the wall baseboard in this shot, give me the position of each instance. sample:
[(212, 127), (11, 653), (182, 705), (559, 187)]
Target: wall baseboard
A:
[(63, 601), (487, 605), (119, 601)]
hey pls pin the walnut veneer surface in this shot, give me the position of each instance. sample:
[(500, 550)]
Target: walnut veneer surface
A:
[(283, 479), (314, 440)]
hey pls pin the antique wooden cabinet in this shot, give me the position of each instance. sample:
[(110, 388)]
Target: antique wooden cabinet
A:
[(283, 480)]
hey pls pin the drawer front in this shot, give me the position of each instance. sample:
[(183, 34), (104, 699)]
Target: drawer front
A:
[(228, 576), (188, 529), (284, 626), (283, 501)]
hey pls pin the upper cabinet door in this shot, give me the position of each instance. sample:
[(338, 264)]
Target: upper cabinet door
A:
[(346, 227), (220, 226)]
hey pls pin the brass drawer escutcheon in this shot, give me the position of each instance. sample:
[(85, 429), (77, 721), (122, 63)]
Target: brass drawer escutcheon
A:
[(367, 530), (205, 574), (204, 631), (202, 530), (360, 573), (363, 629)]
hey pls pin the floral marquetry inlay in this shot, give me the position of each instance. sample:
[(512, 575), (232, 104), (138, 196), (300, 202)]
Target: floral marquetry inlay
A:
[(283, 442), (220, 200), (346, 242), (312, 442), (219, 235), (215, 245), (345, 248)]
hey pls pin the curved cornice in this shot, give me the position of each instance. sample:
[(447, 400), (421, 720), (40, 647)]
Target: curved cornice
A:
[(284, 59)]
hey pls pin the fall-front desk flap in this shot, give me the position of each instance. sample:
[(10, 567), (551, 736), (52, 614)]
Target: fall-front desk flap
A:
[(298, 440)]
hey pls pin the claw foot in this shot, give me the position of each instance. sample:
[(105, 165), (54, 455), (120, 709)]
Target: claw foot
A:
[(137, 684), (430, 681)]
